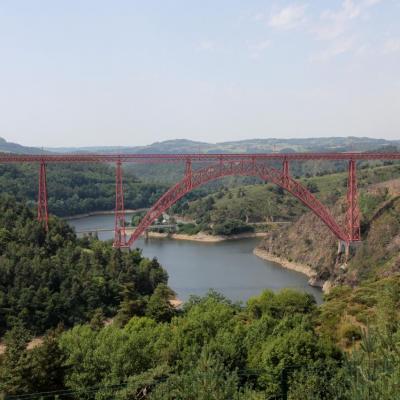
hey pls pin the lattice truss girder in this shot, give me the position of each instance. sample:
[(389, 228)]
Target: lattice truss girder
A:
[(250, 167)]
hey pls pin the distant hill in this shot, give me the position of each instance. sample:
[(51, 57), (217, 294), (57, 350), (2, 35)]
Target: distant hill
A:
[(338, 144), (9, 147)]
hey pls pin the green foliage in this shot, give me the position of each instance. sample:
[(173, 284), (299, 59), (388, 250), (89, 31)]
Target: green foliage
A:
[(37, 370), (373, 371), (378, 252), (78, 188), (231, 227), (51, 278), (286, 303), (213, 349), (242, 206), (207, 379), (347, 311), (278, 345), (312, 187), (159, 306), (189, 228)]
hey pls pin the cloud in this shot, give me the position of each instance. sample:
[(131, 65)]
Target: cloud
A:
[(334, 23), (288, 17), (339, 47), (391, 46)]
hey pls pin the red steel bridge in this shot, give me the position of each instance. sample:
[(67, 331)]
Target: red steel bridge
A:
[(211, 167)]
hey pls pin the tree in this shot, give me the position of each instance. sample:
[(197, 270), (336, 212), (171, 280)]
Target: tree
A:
[(205, 380), (130, 305), (312, 187), (46, 364), (159, 305), (14, 369)]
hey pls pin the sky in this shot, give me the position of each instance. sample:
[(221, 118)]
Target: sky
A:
[(127, 72)]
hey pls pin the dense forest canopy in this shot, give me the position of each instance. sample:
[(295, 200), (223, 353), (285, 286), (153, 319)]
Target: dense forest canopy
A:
[(271, 348), (52, 278)]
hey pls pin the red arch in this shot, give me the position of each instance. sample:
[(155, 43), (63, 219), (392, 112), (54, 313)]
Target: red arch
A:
[(194, 179)]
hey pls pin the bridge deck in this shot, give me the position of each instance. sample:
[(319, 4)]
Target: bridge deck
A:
[(160, 158)]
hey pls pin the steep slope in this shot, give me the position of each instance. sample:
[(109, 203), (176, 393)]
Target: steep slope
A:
[(308, 241)]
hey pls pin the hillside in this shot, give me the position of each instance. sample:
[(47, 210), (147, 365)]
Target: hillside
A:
[(9, 147), (262, 204), (52, 278), (260, 145), (77, 188), (245, 207), (309, 242)]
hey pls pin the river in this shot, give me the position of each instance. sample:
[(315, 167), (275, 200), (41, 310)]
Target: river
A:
[(229, 267)]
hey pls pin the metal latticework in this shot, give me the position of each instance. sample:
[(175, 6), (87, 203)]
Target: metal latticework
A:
[(249, 167), (42, 210), (119, 228), (353, 210), (226, 164), (201, 157)]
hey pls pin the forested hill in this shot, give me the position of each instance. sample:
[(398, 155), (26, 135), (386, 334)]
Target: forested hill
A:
[(52, 278), (77, 188), (258, 145)]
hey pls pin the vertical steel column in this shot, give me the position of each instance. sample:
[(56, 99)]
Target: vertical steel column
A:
[(188, 173), (286, 172), (119, 228), (42, 211), (353, 211)]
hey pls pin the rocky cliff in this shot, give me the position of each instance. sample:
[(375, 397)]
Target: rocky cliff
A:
[(309, 242)]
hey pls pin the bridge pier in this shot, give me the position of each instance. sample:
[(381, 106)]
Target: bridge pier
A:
[(286, 172), (119, 226), (345, 247), (42, 210), (353, 211)]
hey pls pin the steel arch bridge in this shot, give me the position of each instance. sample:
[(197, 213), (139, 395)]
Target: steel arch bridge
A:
[(194, 179), (222, 165)]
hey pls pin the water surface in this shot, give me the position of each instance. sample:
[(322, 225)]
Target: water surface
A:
[(229, 267)]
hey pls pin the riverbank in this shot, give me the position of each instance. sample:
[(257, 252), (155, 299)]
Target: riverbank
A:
[(201, 236), (304, 269), (313, 281)]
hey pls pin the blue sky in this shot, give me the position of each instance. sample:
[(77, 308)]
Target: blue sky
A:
[(116, 72)]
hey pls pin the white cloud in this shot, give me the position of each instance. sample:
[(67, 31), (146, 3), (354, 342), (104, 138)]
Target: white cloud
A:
[(391, 45), (339, 47), (288, 17), (334, 23)]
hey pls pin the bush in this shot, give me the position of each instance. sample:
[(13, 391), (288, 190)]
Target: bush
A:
[(188, 229), (231, 227)]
